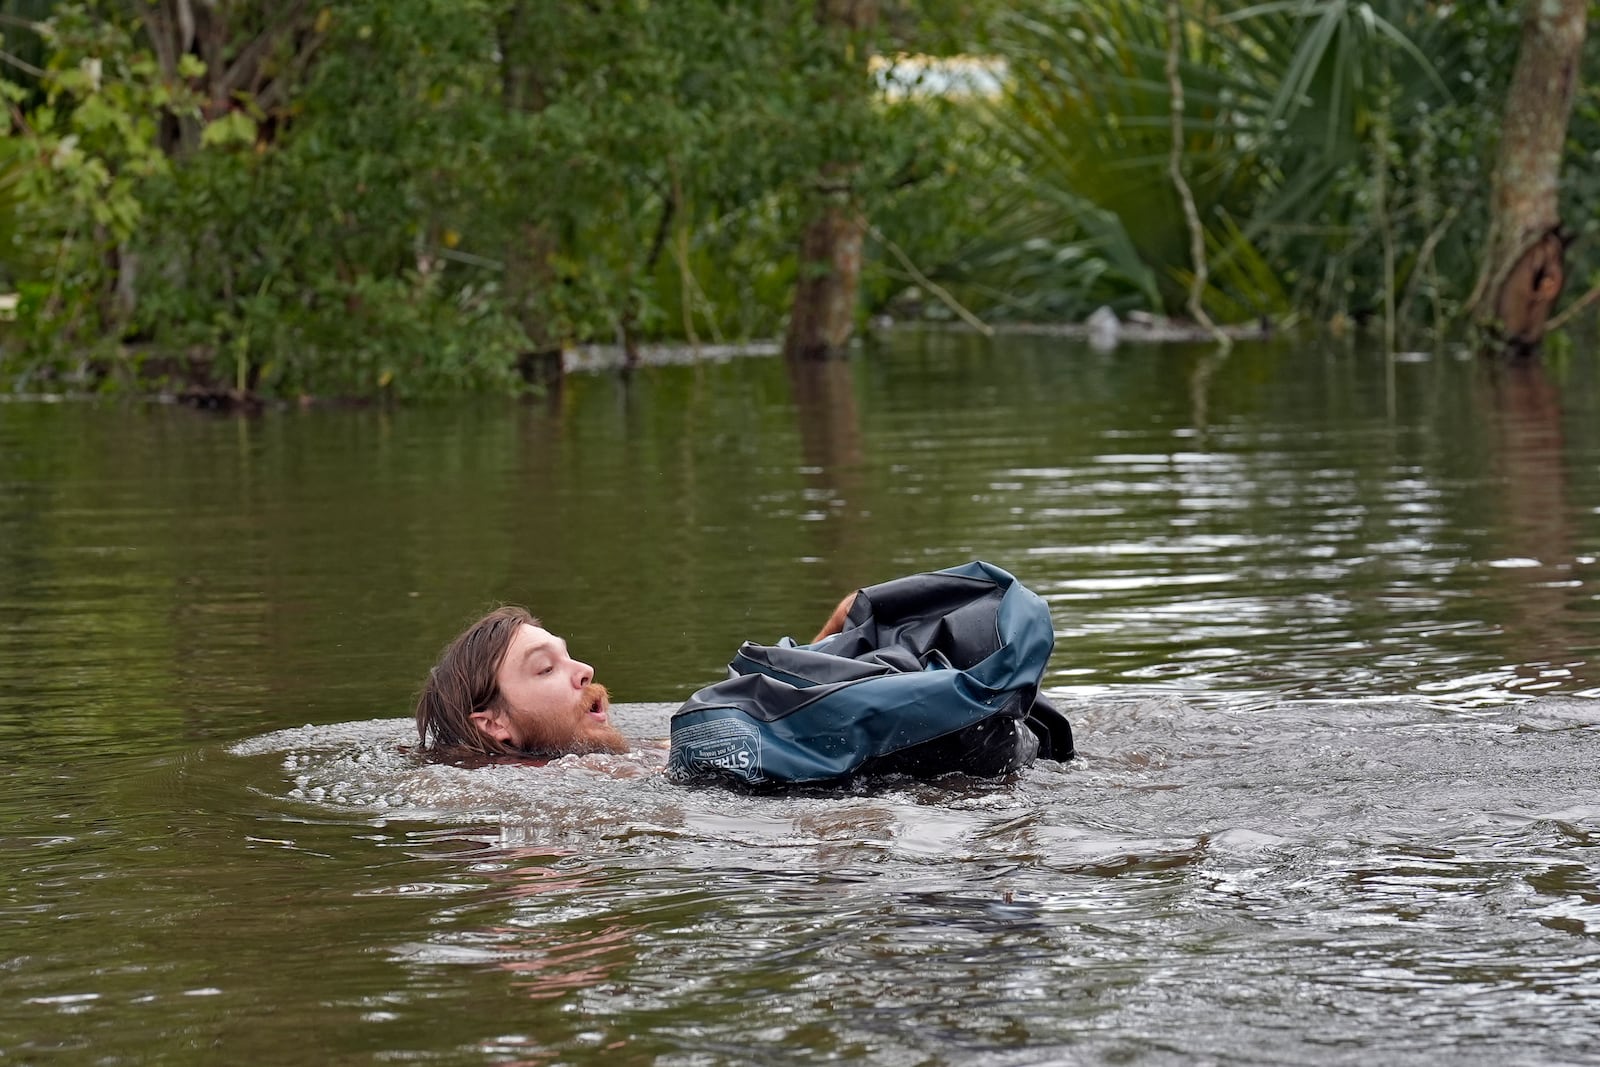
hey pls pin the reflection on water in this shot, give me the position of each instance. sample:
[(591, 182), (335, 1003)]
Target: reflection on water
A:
[(1329, 652)]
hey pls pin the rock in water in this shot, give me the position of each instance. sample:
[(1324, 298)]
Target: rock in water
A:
[(1104, 328)]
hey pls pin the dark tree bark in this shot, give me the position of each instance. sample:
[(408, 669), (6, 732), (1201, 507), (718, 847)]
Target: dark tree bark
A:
[(530, 276), (261, 52), (823, 316), (1522, 271), (824, 312)]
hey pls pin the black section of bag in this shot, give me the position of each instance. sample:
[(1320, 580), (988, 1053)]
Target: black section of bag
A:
[(998, 745), (1052, 729)]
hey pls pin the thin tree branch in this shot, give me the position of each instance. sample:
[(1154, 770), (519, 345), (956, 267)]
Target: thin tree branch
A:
[(276, 94), (247, 62), (185, 25), (23, 65), (160, 33), (1573, 309), (932, 286), (1380, 196), (669, 207), (1425, 256), (1191, 215)]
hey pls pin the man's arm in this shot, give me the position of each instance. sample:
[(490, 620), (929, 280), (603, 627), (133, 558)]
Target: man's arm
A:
[(835, 621)]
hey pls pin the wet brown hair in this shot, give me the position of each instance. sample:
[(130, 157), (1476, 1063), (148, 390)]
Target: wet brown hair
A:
[(463, 682)]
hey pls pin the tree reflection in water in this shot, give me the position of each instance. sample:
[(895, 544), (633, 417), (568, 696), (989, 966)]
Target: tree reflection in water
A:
[(1535, 530)]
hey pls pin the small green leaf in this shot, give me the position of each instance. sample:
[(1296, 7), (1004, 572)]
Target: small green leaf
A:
[(234, 128)]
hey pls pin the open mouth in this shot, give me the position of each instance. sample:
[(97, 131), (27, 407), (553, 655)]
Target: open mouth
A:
[(596, 704)]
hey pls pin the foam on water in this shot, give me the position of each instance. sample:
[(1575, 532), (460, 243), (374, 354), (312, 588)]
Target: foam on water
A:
[(1158, 782), (370, 767)]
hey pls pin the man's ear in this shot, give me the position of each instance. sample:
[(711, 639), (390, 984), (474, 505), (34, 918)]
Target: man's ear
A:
[(492, 724)]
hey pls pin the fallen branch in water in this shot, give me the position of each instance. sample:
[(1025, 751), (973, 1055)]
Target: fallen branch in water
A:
[(932, 286)]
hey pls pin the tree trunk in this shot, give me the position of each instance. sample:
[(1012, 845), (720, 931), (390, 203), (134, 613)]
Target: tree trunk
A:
[(1535, 510), (824, 312), (823, 316), (530, 278), (1522, 273), (260, 57), (530, 252)]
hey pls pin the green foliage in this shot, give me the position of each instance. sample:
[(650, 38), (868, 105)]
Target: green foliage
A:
[(1091, 114), (23, 49), (303, 261), (408, 196), (1580, 185), (984, 226), (1316, 132), (1395, 153), (438, 189), (80, 164)]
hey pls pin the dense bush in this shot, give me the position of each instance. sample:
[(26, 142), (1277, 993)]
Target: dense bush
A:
[(409, 196)]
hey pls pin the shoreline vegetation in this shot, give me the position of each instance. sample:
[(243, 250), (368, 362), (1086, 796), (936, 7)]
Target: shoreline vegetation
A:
[(613, 358), (430, 199)]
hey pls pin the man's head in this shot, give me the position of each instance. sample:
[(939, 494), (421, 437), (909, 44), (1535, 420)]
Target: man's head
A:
[(506, 687)]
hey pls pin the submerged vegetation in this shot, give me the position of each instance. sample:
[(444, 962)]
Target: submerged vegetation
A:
[(417, 198)]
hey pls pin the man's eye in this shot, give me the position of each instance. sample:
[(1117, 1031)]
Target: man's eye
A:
[(547, 670)]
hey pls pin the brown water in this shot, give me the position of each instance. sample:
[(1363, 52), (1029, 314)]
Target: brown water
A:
[(1331, 651)]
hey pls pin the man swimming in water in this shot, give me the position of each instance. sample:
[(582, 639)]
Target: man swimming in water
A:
[(507, 687)]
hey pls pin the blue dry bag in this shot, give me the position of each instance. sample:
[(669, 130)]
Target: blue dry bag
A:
[(932, 673)]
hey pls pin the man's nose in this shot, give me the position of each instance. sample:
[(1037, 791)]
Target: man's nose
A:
[(584, 674)]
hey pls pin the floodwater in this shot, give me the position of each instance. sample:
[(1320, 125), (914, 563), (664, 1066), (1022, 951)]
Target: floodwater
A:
[(1331, 646)]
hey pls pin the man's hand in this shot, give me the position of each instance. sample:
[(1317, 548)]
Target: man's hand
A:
[(835, 621)]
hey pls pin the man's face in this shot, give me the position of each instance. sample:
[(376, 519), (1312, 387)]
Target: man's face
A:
[(549, 702)]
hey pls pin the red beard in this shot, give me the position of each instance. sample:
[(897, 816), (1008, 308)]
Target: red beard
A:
[(576, 732)]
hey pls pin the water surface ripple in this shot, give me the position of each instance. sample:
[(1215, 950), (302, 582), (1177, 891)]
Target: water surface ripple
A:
[(1355, 882), (1330, 649)]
